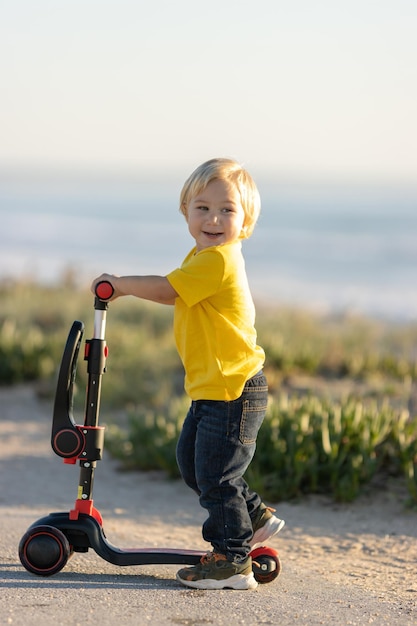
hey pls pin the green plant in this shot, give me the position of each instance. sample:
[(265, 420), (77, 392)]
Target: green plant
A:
[(342, 420), (304, 446), (23, 355), (404, 437), (149, 442), (310, 445)]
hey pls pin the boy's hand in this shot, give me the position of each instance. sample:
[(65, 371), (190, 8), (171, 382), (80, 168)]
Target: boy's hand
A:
[(155, 288), (110, 278)]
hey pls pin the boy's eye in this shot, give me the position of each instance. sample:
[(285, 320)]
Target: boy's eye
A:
[(203, 207)]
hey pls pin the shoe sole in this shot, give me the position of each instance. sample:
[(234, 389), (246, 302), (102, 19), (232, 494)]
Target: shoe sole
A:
[(239, 582), (268, 530)]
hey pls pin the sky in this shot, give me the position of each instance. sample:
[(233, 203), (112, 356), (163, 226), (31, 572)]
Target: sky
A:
[(316, 88)]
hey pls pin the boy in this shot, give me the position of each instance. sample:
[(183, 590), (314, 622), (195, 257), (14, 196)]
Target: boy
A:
[(216, 339)]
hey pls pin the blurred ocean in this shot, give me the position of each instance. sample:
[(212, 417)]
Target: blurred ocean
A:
[(326, 247)]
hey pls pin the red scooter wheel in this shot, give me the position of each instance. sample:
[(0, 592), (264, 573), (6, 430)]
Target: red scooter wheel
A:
[(266, 565)]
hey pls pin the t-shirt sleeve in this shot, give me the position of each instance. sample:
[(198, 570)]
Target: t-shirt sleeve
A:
[(199, 277)]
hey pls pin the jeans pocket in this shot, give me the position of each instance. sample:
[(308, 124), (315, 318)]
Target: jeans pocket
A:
[(253, 414)]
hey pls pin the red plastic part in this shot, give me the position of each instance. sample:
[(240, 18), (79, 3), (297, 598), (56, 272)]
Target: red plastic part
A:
[(264, 551), (86, 507), (104, 290)]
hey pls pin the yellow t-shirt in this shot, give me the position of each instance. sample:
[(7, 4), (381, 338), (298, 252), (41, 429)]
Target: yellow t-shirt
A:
[(214, 323)]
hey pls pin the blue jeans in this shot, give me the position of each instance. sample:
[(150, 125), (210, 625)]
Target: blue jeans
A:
[(215, 447)]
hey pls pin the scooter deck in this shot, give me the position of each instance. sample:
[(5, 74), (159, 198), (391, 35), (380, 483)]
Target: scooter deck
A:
[(85, 533)]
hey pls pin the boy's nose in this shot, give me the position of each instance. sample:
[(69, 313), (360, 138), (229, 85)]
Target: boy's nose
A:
[(213, 218)]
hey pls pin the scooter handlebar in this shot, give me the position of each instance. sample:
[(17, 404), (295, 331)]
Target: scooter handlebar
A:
[(104, 290)]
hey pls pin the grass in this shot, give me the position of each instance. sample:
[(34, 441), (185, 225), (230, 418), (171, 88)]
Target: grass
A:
[(343, 389)]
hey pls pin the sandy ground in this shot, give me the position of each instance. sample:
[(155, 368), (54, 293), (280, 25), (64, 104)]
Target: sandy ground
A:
[(350, 564)]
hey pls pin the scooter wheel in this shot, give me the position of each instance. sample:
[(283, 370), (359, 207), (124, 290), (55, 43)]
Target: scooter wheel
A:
[(266, 565), (44, 550)]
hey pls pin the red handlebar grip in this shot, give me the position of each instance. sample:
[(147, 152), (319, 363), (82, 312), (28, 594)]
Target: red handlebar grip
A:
[(104, 290)]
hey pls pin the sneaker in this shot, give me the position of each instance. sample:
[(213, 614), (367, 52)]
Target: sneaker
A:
[(265, 525), (215, 572)]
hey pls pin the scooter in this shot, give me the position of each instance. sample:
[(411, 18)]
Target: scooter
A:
[(49, 542)]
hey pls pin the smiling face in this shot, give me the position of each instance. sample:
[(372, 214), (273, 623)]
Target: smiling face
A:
[(215, 216)]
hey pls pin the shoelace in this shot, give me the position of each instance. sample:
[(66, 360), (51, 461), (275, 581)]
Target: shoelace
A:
[(211, 556)]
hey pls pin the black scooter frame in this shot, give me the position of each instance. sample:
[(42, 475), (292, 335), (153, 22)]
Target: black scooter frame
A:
[(48, 543)]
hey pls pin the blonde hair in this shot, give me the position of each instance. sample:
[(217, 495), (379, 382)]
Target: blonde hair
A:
[(232, 172)]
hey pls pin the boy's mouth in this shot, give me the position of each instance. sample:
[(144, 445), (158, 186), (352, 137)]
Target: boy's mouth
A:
[(213, 235)]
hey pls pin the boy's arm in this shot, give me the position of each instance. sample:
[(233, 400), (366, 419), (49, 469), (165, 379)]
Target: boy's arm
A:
[(155, 288)]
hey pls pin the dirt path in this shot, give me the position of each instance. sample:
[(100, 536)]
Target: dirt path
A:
[(353, 564)]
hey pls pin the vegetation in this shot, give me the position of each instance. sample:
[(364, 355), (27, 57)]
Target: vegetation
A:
[(343, 403)]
